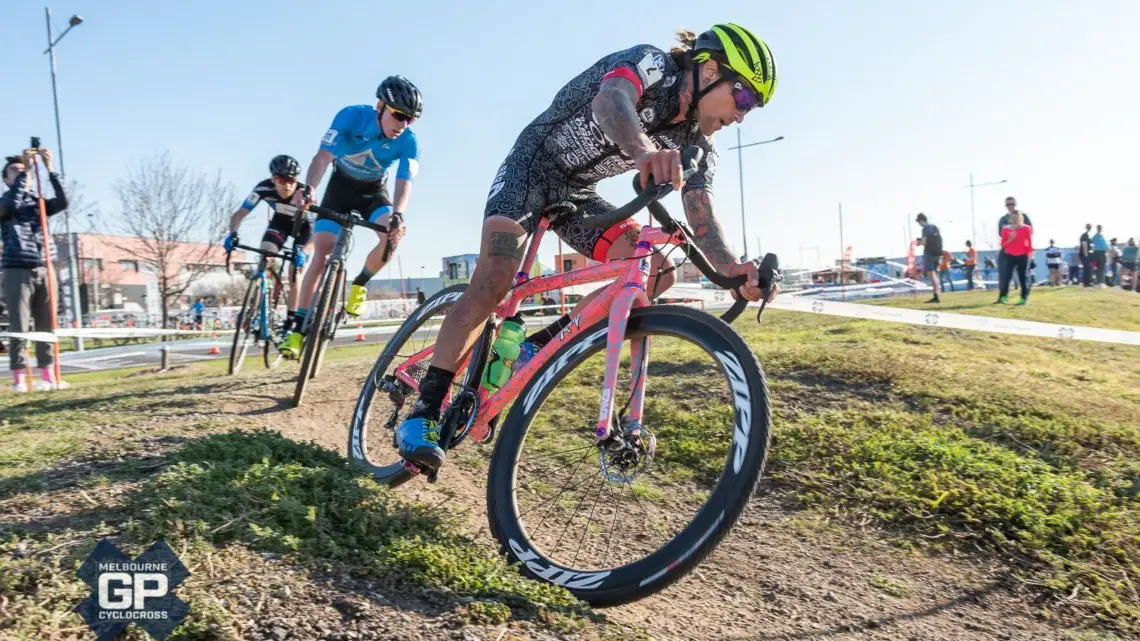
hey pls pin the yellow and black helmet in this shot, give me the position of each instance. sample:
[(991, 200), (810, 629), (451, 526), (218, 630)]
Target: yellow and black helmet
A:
[(743, 53)]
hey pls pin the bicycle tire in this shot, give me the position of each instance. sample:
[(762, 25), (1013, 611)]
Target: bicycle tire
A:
[(332, 321), (392, 474), (243, 327), (314, 337), (270, 354), (734, 487)]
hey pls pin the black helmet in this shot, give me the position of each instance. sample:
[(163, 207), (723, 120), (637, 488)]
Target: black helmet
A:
[(400, 94), (284, 166)]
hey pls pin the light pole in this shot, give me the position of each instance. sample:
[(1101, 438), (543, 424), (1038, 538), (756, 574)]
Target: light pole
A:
[(740, 161), (72, 243), (973, 227)]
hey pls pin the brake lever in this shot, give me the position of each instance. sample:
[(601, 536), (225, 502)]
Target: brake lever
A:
[(770, 275)]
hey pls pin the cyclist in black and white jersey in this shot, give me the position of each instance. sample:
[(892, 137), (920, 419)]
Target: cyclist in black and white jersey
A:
[(633, 109), (286, 198)]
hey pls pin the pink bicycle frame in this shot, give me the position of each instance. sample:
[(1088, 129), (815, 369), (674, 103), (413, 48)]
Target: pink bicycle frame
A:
[(629, 276)]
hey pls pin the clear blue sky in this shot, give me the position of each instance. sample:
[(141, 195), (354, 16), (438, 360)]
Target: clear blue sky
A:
[(886, 106)]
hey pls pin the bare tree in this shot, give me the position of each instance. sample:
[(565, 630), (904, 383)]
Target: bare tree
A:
[(175, 218)]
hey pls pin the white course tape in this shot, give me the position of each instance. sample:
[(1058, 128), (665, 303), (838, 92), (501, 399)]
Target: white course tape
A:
[(956, 321)]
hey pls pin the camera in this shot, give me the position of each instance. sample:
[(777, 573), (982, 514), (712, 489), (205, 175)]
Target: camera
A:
[(35, 142)]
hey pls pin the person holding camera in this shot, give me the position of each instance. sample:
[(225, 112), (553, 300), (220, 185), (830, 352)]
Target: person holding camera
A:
[(25, 262)]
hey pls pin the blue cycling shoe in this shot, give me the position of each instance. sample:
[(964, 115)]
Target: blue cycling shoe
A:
[(418, 441)]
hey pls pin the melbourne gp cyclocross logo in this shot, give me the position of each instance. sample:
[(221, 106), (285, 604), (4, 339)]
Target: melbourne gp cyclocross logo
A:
[(138, 591)]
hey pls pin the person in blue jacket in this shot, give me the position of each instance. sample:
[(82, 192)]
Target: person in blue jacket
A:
[(25, 262)]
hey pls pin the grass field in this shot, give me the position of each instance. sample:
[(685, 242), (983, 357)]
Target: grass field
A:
[(1022, 451)]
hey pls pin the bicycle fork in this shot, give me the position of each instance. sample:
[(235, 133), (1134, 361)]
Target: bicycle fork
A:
[(632, 295)]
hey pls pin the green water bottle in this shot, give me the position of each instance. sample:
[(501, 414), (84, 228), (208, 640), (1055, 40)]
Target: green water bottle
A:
[(504, 351)]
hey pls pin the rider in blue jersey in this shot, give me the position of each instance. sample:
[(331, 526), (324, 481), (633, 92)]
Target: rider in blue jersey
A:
[(363, 144)]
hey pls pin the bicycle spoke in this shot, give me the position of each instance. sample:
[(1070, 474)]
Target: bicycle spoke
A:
[(564, 489), (574, 513), (589, 520)]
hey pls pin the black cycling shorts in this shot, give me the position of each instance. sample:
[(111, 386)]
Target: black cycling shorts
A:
[(281, 227), (344, 194), (526, 183)]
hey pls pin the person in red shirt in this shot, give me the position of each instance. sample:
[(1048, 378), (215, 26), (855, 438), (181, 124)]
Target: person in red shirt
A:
[(971, 264), (1017, 243)]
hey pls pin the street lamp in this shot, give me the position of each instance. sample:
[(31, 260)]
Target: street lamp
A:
[(72, 243), (973, 227), (740, 161)]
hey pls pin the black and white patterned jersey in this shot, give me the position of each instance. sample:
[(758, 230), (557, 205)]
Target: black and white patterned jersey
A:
[(265, 191), (568, 135)]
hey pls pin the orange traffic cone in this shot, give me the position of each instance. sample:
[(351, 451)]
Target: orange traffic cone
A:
[(359, 332), (214, 349)]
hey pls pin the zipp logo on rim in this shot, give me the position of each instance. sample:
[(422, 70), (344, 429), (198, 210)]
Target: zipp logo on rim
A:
[(742, 400), (550, 372), (432, 304), (556, 575)]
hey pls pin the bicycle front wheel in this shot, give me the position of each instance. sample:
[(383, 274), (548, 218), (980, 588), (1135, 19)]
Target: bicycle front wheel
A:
[(618, 520), (333, 316), (315, 338), (243, 328), (270, 352)]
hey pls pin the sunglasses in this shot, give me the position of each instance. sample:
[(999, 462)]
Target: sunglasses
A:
[(1011, 204), (399, 115), (745, 97), (285, 180)]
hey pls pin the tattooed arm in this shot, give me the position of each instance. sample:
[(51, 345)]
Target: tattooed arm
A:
[(709, 236), (707, 232), (615, 110)]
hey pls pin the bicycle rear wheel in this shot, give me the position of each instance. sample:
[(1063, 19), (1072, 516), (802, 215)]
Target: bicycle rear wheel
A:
[(704, 441), (371, 442), (243, 327), (315, 337)]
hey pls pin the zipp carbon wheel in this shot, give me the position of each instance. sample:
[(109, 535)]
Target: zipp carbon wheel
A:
[(650, 508), (378, 412), (315, 336), (243, 328)]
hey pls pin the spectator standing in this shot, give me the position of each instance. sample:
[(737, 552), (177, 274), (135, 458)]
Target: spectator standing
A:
[(971, 264), (931, 241), (1129, 264), (1099, 254), (944, 274), (1113, 263), (1086, 256), (1003, 222), (25, 262), (1075, 266), (420, 297), (1017, 244), (1053, 260), (990, 267)]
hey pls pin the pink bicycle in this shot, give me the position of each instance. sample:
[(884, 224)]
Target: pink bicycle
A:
[(712, 420)]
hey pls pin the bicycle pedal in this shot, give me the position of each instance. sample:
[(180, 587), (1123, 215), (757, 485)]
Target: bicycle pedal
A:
[(411, 467)]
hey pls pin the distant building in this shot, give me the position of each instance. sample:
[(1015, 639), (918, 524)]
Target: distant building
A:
[(114, 275), (458, 269), (573, 260), (396, 288)]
